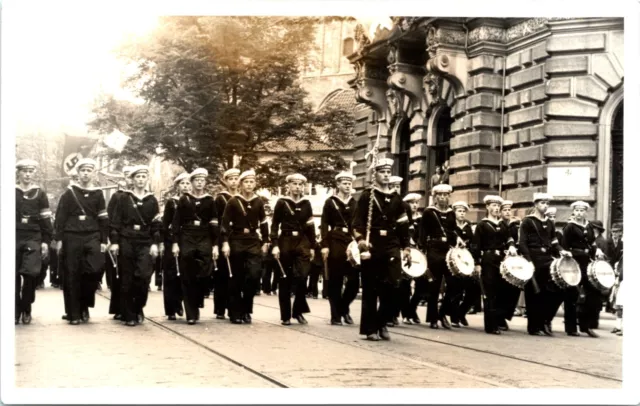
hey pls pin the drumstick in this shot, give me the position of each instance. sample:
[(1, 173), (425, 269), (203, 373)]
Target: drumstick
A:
[(177, 266), (326, 270), (229, 266), (284, 275), (536, 288), (484, 296), (112, 260)]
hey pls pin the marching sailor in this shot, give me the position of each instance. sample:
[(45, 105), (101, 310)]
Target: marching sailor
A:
[(230, 180), (172, 292), (81, 230), (135, 234), (580, 240), (398, 299), (112, 262), (409, 303), (381, 219), (195, 242), (293, 235), (437, 236), (510, 294), (538, 243), (243, 216), (33, 236), (489, 242), (337, 233), (470, 286)]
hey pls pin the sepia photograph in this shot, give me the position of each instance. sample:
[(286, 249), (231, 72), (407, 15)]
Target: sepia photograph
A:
[(271, 196)]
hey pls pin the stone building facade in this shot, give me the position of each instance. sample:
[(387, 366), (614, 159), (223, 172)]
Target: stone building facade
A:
[(501, 99)]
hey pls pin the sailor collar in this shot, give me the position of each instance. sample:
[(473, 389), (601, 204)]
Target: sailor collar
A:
[(198, 197), (144, 196), (84, 189), (389, 193), (578, 224), (466, 223), (437, 209), (417, 216), (345, 202), (303, 198), (538, 218), (495, 223), (226, 192), (31, 187), (252, 198)]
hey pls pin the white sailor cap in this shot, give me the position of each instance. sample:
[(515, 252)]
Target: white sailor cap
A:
[(296, 176), (344, 175), (231, 172), (441, 188), (139, 169), (460, 204), (506, 203), (488, 199), (580, 204), (250, 174), (412, 197), (551, 210), (395, 179), (26, 164), (542, 196), (86, 162), (126, 170), (199, 172), (181, 177), (384, 163)]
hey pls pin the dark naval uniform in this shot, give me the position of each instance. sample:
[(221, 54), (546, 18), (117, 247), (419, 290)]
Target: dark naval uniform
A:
[(437, 236), (113, 276), (81, 225), (538, 243), (490, 241), (221, 275), (409, 303), (134, 227), (294, 232), (381, 273), (337, 234), (510, 294), (33, 227), (195, 229), (241, 221), (470, 285), (172, 292), (580, 240)]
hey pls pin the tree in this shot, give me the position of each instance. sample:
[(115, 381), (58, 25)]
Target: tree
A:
[(219, 87)]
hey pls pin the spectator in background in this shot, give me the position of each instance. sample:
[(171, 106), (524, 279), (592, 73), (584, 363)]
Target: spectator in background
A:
[(444, 179), (435, 179)]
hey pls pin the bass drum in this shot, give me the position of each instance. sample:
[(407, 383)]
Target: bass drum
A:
[(460, 261), (418, 265), (516, 270), (601, 275), (565, 272)]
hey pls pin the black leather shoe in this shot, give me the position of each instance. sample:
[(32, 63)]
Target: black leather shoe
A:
[(247, 318), (286, 323), (130, 323), (389, 324), (406, 320), (26, 318), (384, 334), (495, 332), (65, 317), (574, 334), (172, 317), (434, 325), (373, 337), (536, 333), (180, 312), (117, 317), (347, 319), (220, 316), (336, 322), (456, 325), (301, 319), (590, 333), (84, 316), (445, 323), (236, 321), (463, 321), (74, 322), (140, 317), (615, 330), (416, 320), (504, 327), (395, 322), (17, 320), (191, 322), (546, 330)]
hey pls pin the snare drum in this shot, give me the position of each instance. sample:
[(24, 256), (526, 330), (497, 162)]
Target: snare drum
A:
[(601, 275), (353, 253), (516, 270), (418, 265), (565, 272), (460, 261)]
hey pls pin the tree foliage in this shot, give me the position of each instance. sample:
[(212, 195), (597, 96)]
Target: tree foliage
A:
[(215, 87)]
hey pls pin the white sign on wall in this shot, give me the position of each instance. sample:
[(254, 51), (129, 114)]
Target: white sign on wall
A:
[(569, 181)]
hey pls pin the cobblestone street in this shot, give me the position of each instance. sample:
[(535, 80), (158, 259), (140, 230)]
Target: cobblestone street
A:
[(217, 354)]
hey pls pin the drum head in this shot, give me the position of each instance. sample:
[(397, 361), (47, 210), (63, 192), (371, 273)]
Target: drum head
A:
[(418, 265), (569, 271), (354, 252), (463, 260), (519, 267), (604, 273)]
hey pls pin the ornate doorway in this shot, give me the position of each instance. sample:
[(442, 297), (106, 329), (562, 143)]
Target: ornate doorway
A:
[(402, 157)]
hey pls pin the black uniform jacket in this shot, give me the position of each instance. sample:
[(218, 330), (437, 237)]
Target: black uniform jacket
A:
[(337, 216), (195, 215), (389, 217), (33, 214), (414, 228), (580, 240), (135, 217), (538, 240), (293, 217), (491, 236), (167, 218), (86, 214), (437, 228), (242, 218)]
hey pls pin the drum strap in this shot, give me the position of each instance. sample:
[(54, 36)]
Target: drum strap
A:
[(444, 233), (342, 217), (539, 235), (384, 216)]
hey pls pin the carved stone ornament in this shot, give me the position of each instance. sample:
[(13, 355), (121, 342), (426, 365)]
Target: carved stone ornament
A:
[(432, 83), (361, 37), (432, 44)]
